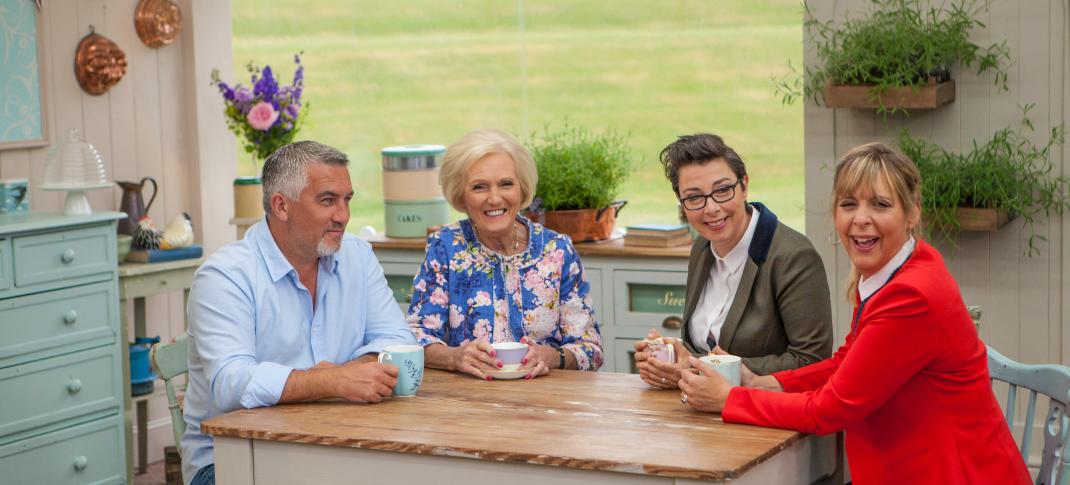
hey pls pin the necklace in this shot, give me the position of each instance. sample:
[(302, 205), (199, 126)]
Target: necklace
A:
[(516, 238)]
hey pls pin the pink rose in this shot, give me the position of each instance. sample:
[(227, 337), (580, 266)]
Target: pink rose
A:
[(262, 116)]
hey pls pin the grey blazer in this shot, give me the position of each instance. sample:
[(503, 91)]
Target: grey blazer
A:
[(781, 317)]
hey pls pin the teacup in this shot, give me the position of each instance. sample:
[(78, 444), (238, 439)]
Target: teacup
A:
[(726, 365), (510, 354), (662, 349), (410, 362)]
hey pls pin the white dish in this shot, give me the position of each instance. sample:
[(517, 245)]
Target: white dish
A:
[(506, 375)]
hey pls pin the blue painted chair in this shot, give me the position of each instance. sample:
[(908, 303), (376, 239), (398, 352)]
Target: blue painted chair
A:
[(1052, 381), (170, 361)]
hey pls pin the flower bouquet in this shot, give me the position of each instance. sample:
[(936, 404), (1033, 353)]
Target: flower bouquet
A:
[(266, 116)]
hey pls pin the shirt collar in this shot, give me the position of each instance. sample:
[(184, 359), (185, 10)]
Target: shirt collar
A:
[(738, 255), (868, 286), (277, 264)]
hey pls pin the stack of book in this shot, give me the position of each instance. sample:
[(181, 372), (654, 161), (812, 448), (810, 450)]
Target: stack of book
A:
[(657, 235), (162, 255)]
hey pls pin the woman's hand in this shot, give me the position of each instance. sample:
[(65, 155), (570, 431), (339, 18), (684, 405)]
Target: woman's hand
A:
[(539, 359), (747, 378), (656, 373), (704, 392), (476, 357)]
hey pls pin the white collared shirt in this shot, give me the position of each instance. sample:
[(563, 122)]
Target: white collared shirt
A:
[(720, 289), (868, 286)]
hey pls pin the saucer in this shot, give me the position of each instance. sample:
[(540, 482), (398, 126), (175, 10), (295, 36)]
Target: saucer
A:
[(506, 375)]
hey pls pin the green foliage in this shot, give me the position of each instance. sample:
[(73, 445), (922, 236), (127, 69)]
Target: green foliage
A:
[(1008, 172), (579, 169), (899, 43)]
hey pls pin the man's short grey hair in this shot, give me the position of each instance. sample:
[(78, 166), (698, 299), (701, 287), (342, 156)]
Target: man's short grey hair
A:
[(285, 170)]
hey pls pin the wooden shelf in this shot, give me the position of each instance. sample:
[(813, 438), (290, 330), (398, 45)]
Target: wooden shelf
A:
[(930, 96), (610, 247)]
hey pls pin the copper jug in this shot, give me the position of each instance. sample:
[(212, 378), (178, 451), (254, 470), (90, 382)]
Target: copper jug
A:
[(133, 205)]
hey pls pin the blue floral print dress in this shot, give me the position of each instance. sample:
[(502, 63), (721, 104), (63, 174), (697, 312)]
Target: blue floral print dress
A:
[(465, 291)]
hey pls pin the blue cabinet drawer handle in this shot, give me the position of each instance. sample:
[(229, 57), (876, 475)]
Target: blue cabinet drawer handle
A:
[(74, 385), (70, 317), (81, 463), (68, 256)]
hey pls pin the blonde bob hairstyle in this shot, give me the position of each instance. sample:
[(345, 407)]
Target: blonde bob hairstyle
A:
[(860, 169), (472, 147)]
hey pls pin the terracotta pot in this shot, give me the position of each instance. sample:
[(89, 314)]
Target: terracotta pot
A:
[(584, 224)]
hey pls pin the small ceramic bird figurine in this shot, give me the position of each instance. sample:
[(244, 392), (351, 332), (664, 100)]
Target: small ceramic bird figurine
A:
[(178, 233), (145, 236)]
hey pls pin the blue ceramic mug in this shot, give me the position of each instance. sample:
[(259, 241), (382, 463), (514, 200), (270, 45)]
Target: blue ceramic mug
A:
[(410, 362)]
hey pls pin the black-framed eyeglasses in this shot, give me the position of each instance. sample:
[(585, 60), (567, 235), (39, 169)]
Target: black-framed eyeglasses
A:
[(719, 195)]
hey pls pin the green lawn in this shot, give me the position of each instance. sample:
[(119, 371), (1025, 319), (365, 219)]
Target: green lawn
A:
[(391, 73)]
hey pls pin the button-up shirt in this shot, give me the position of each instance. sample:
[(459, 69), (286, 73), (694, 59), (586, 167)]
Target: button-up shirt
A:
[(252, 322), (720, 289)]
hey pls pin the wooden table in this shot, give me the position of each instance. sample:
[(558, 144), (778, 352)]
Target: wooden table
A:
[(568, 427), (136, 282)]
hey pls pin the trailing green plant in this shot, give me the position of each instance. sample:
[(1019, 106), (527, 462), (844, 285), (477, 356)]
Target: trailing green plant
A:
[(900, 43), (1008, 172), (579, 169)]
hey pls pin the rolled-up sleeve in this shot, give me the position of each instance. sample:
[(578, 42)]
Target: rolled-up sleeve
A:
[(222, 325), (579, 329), (384, 322)]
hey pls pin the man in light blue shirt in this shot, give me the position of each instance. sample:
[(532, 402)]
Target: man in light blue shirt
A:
[(296, 311)]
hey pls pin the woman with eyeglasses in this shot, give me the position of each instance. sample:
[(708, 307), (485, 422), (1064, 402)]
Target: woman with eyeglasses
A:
[(755, 287)]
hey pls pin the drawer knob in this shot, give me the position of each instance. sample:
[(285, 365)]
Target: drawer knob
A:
[(70, 317), (68, 256), (81, 463), (74, 385), (673, 322)]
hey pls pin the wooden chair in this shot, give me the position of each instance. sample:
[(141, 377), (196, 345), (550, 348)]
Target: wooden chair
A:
[(170, 361), (1052, 381)]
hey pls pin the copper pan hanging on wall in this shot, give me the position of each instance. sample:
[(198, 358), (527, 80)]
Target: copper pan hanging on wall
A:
[(157, 22), (99, 63)]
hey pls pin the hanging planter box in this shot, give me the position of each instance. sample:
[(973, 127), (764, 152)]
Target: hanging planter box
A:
[(971, 219), (926, 97)]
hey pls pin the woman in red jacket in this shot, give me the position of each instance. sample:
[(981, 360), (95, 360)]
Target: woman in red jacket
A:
[(910, 386)]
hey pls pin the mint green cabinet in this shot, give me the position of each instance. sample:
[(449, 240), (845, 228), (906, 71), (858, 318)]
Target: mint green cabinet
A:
[(61, 388), (632, 293)]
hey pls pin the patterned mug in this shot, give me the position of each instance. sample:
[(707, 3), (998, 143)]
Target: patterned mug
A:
[(410, 362)]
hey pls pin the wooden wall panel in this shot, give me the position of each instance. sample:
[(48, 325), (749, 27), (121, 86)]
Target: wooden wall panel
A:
[(1021, 296), (142, 128)]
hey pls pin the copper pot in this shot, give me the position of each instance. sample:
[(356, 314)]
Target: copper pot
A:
[(99, 63), (157, 22), (584, 224)]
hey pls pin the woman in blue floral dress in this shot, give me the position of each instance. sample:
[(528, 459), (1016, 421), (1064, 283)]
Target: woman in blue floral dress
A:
[(498, 277)]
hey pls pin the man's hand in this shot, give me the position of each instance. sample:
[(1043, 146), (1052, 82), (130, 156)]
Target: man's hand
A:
[(356, 381), (364, 381)]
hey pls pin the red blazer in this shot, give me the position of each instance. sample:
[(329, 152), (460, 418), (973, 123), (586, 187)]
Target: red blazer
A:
[(909, 386)]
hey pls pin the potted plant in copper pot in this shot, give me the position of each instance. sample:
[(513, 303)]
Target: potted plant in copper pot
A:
[(580, 174)]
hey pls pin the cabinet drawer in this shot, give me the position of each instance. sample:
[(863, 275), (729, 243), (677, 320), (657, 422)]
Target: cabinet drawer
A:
[(650, 299), (6, 276), (78, 317), (59, 388), (62, 255), (87, 453)]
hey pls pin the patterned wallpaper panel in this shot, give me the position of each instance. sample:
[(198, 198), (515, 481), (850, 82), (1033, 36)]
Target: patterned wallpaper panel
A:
[(20, 105)]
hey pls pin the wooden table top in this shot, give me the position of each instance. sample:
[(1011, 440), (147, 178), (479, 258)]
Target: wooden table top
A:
[(598, 421), (610, 248)]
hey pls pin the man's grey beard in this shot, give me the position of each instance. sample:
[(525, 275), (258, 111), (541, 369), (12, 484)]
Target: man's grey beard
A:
[(325, 248)]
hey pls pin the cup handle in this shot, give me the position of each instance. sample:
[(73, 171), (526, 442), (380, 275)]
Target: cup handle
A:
[(383, 356)]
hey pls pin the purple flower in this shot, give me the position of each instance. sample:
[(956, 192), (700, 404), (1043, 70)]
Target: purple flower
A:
[(292, 110), (266, 87), (243, 95)]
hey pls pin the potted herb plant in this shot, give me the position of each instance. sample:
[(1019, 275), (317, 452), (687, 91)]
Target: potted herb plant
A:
[(899, 56), (983, 189), (580, 173)]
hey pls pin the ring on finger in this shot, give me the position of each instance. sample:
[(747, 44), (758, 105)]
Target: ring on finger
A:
[(683, 397), (664, 380)]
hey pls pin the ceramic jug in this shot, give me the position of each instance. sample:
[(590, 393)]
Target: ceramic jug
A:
[(133, 204)]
